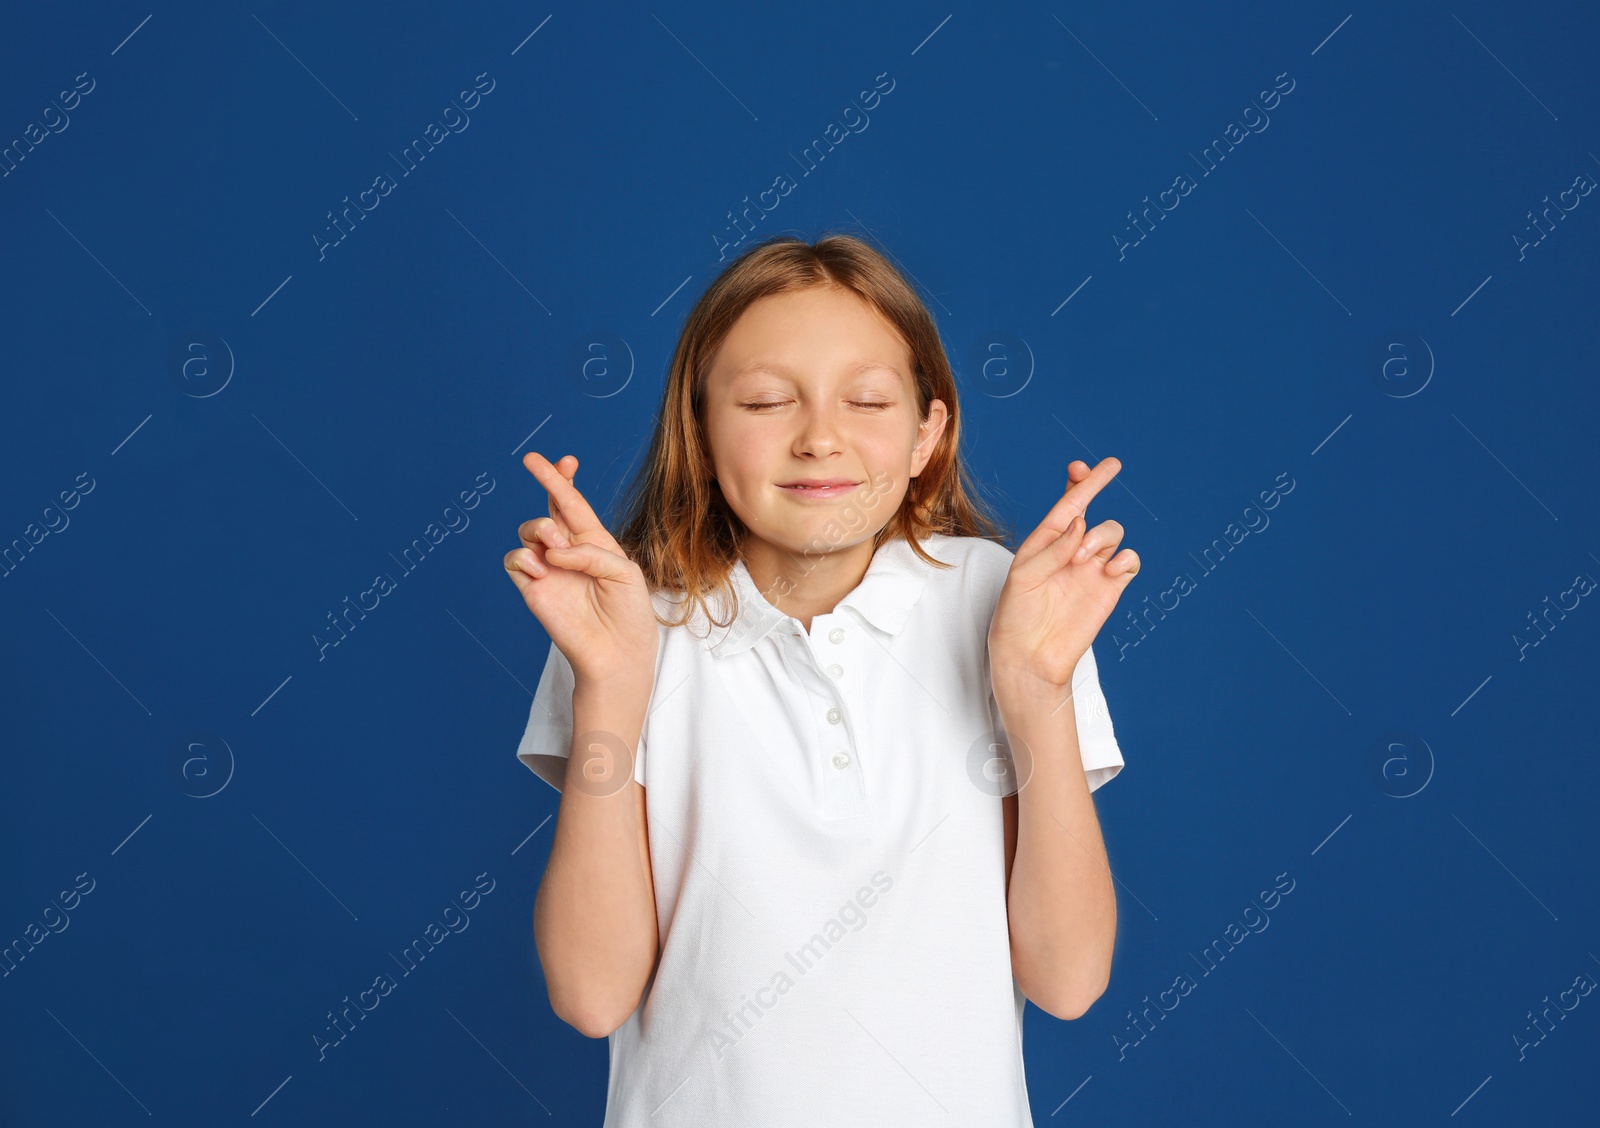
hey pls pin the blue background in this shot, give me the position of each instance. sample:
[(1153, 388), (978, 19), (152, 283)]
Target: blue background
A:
[(173, 615)]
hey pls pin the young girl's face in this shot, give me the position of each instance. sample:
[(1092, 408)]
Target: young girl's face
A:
[(815, 386)]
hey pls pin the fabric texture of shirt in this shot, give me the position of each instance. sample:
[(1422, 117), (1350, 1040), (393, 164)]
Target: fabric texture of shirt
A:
[(828, 856)]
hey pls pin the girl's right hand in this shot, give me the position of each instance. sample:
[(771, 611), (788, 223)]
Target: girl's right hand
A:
[(591, 599)]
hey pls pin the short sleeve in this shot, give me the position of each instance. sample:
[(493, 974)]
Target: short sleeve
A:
[(547, 741), (1097, 741)]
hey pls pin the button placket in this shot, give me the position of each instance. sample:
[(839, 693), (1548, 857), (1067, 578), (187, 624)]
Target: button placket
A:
[(843, 788)]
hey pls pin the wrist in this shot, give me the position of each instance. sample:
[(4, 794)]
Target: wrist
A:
[(1024, 681), (613, 689)]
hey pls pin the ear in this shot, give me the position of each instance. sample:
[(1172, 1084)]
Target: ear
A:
[(928, 433)]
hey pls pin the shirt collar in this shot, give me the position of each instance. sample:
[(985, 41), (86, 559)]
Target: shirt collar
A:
[(885, 597)]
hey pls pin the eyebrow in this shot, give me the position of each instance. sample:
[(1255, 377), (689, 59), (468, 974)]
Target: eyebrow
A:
[(776, 369)]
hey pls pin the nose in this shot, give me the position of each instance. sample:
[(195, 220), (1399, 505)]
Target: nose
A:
[(819, 432)]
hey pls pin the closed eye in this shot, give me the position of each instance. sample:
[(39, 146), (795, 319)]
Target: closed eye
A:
[(878, 405)]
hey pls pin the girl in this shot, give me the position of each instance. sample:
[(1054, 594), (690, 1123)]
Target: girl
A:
[(825, 817)]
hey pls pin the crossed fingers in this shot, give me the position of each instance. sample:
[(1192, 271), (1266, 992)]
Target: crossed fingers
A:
[(571, 520), (570, 512), (1074, 502)]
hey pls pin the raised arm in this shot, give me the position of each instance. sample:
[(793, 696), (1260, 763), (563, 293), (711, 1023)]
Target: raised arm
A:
[(1062, 911), (594, 919)]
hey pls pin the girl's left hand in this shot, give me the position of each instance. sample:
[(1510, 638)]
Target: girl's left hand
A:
[(1062, 586)]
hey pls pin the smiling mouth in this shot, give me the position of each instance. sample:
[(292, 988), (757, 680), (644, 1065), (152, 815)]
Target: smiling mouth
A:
[(832, 487)]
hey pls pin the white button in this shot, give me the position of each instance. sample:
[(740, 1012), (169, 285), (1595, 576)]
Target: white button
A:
[(841, 760), (836, 635), (836, 671), (834, 716)]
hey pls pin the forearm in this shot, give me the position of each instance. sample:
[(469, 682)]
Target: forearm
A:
[(1060, 900), (594, 919)]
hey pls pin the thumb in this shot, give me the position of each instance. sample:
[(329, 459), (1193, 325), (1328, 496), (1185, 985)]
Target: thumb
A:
[(519, 576)]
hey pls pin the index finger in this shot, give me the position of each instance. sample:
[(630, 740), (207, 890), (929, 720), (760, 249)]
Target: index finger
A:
[(568, 465), (575, 510)]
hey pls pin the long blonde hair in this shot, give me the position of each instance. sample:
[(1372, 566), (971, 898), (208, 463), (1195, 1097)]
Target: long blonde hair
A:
[(677, 526)]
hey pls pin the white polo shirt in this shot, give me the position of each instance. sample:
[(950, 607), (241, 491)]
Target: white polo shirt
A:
[(826, 840)]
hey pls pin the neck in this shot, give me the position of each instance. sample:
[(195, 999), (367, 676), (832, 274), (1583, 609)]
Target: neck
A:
[(804, 585)]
